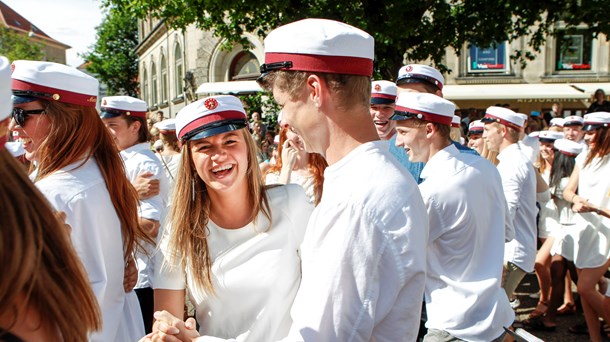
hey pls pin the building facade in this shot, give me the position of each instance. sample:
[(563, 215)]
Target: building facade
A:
[(568, 70)]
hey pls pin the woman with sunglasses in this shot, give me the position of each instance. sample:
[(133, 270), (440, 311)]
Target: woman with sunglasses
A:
[(79, 170), (40, 270), (589, 192), (234, 241)]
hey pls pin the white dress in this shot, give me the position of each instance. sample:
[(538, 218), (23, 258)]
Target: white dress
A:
[(555, 212), (255, 272), (80, 192), (587, 242)]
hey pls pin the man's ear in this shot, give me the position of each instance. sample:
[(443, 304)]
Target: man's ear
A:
[(314, 86), (430, 128)]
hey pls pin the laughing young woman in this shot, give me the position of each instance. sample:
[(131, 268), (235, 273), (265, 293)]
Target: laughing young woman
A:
[(235, 241)]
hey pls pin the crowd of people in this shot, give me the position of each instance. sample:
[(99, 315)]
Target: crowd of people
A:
[(371, 215)]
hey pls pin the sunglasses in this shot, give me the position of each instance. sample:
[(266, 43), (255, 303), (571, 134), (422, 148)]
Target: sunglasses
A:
[(20, 114)]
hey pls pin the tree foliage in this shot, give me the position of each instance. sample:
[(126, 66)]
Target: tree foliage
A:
[(112, 58), (16, 46), (417, 30)]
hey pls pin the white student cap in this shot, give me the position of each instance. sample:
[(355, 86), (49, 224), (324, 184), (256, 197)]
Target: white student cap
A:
[(113, 106), (455, 122), (557, 122), (568, 147), (6, 105), (418, 73), (549, 136), (319, 45), (167, 126), (573, 120), (383, 92), (475, 127), (596, 120), (503, 116), (210, 116), (34, 80), (423, 106), (15, 148)]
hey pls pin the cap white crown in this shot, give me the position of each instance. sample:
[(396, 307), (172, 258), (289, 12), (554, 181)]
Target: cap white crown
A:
[(56, 76), (597, 118), (476, 124), (568, 146), (207, 111), (166, 125), (383, 87), (125, 103), (573, 119), (411, 70), (505, 115), (550, 135), (426, 103), (557, 122)]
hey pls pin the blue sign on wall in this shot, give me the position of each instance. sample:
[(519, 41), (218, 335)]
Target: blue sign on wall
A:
[(488, 59)]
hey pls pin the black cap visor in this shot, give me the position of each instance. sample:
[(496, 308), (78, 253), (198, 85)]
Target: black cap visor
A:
[(215, 128)]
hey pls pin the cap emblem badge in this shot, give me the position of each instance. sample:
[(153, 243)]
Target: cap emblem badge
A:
[(210, 104), (56, 97), (377, 87), (408, 68)]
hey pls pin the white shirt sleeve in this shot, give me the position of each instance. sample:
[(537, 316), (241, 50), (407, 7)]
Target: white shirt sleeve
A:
[(354, 271), (152, 208)]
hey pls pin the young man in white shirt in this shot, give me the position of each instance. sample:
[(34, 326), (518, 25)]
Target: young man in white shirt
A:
[(501, 133), (464, 298), (363, 255), (383, 102), (125, 118)]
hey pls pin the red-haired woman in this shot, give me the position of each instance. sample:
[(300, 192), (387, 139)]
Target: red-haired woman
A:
[(296, 166)]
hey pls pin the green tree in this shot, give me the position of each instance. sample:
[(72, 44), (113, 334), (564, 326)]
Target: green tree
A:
[(16, 46), (112, 58), (412, 29)]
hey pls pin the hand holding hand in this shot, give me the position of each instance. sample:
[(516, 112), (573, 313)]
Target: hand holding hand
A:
[(170, 328)]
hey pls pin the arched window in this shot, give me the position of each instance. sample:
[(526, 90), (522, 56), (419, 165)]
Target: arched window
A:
[(153, 95), (179, 75), (244, 63), (145, 86), (164, 79)]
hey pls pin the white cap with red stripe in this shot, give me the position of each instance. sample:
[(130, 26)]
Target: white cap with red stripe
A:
[(166, 126), (383, 92), (503, 116), (113, 106), (557, 122), (5, 99), (455, 122), (418, 73), (34, 80), (573, 120), (596, 120), (423, 106), (476, 127), (210, 116), (549, 136), (319, 45)]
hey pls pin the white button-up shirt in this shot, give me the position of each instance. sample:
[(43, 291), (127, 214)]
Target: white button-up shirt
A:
[(466, 207), (364, 253), (519, 183)]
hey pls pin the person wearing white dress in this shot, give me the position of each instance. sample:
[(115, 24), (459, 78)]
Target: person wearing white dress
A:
[(589, 191), (234, 243), (80, 172)]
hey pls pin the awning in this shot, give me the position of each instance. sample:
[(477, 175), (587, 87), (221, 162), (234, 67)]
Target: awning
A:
[(590, 88), (232, 87), (513, 91)]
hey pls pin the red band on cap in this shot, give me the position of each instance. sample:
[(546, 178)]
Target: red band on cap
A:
[(441, 119), (207, 119), (383, 96), (347, 65), (127, 112), (57, 94), (502, 121), (166, 131), (4, 131)]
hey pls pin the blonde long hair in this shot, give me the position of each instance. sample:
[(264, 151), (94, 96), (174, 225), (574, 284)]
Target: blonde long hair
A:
[(38, 261), (190, 214), (77, 134)]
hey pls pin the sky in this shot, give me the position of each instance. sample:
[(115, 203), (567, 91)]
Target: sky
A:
[(71, 22)]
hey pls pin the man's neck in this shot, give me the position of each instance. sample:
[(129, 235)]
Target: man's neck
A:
[(347, 131)]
